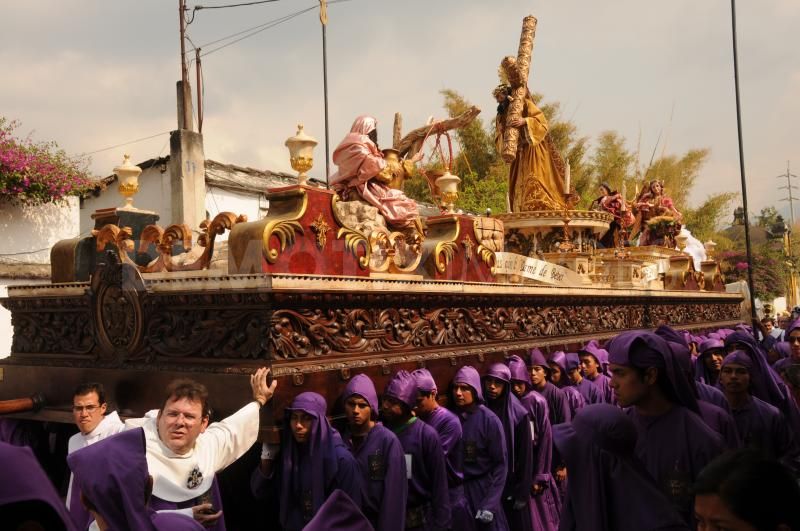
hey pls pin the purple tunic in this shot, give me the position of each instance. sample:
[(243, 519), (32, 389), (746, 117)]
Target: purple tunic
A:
[(762, 426), (721, 422), (339, 513), (428, 496), (608, 490), (574, 399), (383, 469), (448, 427), (589, 392), (557, 404), (712, 395), (545, 506), (485, 458), (603, 384), (674, 448), (308, 473), (23, 482), (519, 448), (382, 464)]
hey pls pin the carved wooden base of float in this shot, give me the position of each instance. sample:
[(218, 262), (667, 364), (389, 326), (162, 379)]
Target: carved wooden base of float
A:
[(314, 331)]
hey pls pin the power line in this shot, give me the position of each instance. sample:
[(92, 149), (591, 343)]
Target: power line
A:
[(198, 8), (265, 27), (124, 144), (257, 29)]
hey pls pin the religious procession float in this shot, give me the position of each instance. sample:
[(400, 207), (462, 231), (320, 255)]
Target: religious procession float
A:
[(348, 279)]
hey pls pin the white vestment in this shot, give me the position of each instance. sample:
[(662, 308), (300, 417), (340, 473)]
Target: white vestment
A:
[(178, 478)]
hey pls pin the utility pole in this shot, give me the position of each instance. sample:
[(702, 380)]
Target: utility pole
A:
[(748, 246), (185, 114), (792, 295)]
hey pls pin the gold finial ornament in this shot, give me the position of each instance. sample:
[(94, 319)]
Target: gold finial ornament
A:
[(301, 153), (447, 185), (128, 175)]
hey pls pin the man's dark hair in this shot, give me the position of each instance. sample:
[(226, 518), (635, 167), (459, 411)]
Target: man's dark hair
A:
[(189, 389), (760, 491), (766, 320), (91, 387)]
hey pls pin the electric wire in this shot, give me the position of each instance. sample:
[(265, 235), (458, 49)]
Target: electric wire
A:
[(123, 144), (198, 8)]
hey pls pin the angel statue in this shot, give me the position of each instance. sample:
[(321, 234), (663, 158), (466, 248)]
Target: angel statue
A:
[(657, 219)]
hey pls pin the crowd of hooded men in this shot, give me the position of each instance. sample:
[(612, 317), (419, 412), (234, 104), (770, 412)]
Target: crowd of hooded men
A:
[(657, 430)]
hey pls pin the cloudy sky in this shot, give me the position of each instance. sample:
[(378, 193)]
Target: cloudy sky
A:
[(94, 74)]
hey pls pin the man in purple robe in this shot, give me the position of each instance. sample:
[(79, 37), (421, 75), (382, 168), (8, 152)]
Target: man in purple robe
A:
[(674, 443), (761, 425), (428, 506), (27, 498), (485, 458), (703, 391), (717, 418), (546, 505), (589, 392), (379, 455), (557, 402), (608, 489), (519, 445), (765, 383), (593, 359), (709, 362), (558, 377), (314, 462), (448, 427), (113, 479)]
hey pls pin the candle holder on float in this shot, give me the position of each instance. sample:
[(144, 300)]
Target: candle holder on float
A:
[(301, 153), (128, 175)]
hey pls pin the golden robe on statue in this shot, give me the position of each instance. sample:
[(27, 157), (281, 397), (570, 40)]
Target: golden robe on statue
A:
[(536, 178)]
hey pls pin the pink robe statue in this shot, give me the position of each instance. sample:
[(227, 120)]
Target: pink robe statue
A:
[(363, 169)]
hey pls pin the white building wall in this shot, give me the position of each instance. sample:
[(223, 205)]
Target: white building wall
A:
[(30, 231), (220, 200)]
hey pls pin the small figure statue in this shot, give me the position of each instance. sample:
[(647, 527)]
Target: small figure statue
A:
[(536, 179), (653, 205), (613, 203), (364, 172)]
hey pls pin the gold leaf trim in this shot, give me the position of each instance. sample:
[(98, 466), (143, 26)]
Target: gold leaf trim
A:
[(445, 251), (284, 230), (288, 206), (488, 257)]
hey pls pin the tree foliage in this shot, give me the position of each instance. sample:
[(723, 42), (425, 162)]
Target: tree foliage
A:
[(37, 172), (704, 221)]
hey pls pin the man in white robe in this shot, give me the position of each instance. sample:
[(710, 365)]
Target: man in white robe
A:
[(185, 452), (89, 412)]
